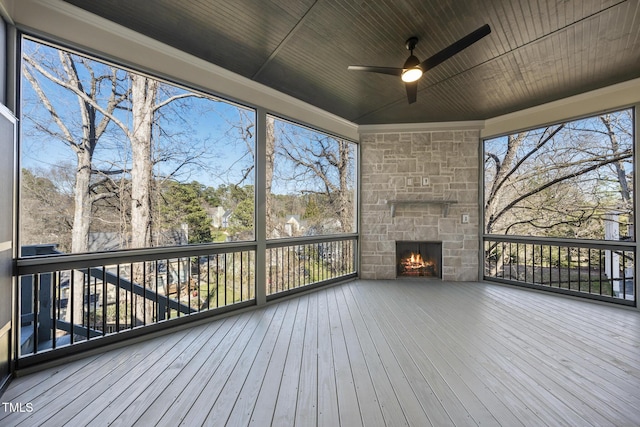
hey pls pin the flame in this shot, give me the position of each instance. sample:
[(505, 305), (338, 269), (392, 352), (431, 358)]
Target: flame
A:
[(413, 264), (416, 261)]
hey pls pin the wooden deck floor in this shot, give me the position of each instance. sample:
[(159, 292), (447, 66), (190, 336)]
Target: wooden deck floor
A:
[(369, 353)]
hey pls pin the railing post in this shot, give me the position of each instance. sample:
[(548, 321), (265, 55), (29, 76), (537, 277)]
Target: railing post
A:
[(45, 327)]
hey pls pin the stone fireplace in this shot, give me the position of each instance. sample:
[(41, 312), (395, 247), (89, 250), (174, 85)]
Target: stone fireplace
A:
[(420, 186), (419, 259)]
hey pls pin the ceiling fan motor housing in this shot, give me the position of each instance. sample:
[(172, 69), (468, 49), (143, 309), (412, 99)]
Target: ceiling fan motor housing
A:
[(411, 43), (411, 62)]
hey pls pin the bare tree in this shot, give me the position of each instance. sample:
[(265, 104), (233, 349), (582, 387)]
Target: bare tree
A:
[(145, 104), (613, 129), (558, 180), (243, 129), (96, 114), (535, 162), (83, 140), (322, 165), (102, 93), (270, 152)]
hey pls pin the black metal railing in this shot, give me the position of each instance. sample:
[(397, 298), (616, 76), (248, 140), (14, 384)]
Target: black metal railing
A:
[(65, 300), (602, 270), (297, 263), (68, 299)]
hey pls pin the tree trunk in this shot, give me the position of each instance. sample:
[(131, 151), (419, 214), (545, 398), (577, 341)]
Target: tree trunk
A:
[(270, 156), (346, 212), (82, 205), (143, 95), (625, 193), (80, 233)]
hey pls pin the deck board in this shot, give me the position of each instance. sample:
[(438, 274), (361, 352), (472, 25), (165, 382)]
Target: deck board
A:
[(138, 400), (133, 378), (368, 401), (193, 374), (479, 373), (383, 340), (485, 333), (328, 414), (306, 412), (204, 385), (277, 407), (371, 353), (560, 359), (267, 394), (348, 405), (215, 403), (245, 401), (457, 387), (423, 378)]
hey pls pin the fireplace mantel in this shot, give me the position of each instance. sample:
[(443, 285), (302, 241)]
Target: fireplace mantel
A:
[(444, 203)]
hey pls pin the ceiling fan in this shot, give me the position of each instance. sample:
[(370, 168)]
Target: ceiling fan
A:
[(413, 69)]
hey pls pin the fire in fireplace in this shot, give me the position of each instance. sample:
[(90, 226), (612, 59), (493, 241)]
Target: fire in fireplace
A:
[(418, 259)]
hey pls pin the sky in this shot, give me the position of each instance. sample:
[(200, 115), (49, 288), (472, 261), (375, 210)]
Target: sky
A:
[(207, 127), (217, 136)]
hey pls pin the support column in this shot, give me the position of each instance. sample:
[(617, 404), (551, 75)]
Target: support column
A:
[(636, 182), (261, 206)]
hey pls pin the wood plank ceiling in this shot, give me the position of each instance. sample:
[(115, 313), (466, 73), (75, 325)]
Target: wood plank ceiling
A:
[(538, 51)]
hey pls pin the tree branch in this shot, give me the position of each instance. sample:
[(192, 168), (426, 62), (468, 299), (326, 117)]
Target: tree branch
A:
[(517, 200)]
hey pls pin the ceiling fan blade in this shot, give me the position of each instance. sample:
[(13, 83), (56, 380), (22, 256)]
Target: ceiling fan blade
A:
[(456, 47), (382, 70), (412, 91)]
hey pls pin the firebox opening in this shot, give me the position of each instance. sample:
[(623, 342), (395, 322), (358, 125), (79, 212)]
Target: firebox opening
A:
[(419, 259)]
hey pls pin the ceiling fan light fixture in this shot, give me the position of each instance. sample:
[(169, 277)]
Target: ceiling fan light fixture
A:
[(411, 75), (411, 70)]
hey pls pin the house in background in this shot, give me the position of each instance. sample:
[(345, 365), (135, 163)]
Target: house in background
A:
[(220, 217)]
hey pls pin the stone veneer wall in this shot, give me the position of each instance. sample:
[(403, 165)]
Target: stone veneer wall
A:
[(449, 159)]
